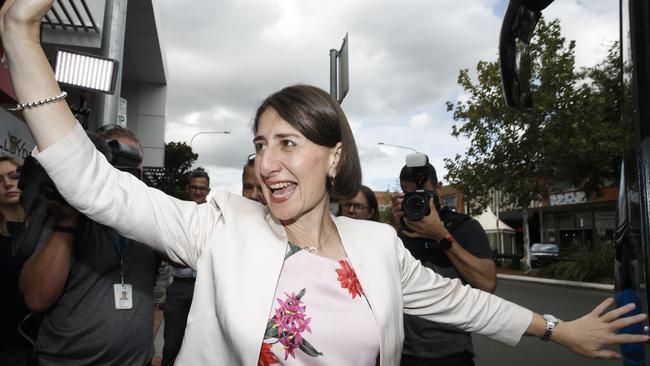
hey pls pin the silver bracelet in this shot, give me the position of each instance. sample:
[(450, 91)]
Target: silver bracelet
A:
[(39, 103)]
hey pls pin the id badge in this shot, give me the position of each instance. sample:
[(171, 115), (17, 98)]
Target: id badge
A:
[(123, 296)]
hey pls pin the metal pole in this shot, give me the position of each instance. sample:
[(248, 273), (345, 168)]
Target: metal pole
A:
[(333, 73), (113, 33), (398, 146), (206, 132)]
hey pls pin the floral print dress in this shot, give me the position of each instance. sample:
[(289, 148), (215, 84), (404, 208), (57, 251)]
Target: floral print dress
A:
[(320, 315)]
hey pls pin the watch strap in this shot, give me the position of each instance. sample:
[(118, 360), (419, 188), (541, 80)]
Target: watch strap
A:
[(551, 323)]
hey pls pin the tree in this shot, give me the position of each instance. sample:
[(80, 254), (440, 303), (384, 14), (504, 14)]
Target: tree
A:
[(559, 141), (179, 159)]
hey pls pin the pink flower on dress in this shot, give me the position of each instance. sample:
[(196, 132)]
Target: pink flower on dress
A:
[(348, 279), (290, 321)]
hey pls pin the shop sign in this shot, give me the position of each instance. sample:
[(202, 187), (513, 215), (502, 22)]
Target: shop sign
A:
[(567, 198)]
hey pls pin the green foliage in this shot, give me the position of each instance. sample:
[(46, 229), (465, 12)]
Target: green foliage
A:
[(572, 135), (386, 216), (179, 159), (589, 263)]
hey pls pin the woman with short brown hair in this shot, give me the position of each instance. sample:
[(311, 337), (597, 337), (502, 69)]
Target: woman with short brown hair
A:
[(287, 283)]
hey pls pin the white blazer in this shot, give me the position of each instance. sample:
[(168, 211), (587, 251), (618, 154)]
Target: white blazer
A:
[(238, 250)]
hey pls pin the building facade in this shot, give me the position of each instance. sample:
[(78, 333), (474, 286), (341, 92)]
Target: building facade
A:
[(126, 32)]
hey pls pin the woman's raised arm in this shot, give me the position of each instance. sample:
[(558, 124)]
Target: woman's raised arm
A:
[(31, 74), (82, 175)]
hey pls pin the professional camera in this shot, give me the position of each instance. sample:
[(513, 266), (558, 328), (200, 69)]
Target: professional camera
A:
[(38, 190), (416, 204), (125, 158)]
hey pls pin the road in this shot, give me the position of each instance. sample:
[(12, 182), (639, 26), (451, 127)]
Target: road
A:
[(561, 301)]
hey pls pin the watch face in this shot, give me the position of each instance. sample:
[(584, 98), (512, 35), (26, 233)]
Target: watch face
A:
[(444, 243), (550, 318)]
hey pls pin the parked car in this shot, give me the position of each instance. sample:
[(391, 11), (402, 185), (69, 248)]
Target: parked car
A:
[(542, 254)]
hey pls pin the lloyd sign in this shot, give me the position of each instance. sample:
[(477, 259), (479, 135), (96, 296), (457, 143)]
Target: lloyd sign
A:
[(15, 139)]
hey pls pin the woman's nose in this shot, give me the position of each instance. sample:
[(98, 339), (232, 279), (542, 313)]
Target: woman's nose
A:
[(268, 162)]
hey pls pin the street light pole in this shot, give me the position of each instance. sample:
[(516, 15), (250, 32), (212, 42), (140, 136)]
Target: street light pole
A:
[(334, 53), (398, 146), (208, 132)]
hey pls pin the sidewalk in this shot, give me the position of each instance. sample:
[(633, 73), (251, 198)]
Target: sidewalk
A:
[(510, 271), (533, 276)]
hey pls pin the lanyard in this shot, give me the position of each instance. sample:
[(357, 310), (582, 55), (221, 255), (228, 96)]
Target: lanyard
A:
[(120, 243)]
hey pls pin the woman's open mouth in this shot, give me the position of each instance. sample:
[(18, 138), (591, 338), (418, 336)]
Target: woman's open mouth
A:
[(281, 191)]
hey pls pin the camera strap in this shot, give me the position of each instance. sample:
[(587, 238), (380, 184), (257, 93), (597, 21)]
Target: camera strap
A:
[(120, 244), (452, 220)]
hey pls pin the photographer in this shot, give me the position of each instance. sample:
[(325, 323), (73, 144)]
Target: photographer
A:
[(94, 286), (455, 247)]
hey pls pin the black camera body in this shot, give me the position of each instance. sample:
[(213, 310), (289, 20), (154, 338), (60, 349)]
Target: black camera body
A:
[(125, 157), (416, 204)]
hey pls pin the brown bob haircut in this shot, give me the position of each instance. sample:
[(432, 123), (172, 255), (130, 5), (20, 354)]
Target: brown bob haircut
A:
[(372, 202), (318, 116)]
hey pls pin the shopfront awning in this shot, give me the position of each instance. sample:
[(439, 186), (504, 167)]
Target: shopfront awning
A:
[(71, 15)]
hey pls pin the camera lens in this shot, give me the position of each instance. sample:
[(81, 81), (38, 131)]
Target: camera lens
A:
[(416, 205)]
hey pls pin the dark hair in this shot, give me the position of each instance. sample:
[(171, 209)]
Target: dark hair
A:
[(112, 131), (250, 163), (318, 116), (198, 173), (372, 202), (408, 174)]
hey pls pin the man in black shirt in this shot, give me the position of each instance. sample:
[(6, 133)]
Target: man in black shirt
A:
[(454, 247), (77, 279)]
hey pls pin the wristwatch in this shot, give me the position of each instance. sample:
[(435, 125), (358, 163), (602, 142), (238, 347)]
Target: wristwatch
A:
[(551, 322), (445, 243)]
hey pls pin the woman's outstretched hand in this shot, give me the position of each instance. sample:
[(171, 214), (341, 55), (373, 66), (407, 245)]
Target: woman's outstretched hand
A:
[(591, 334), (22, 18)]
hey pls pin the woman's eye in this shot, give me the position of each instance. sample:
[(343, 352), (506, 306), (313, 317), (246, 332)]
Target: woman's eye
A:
[(259, 146), (288, 143)]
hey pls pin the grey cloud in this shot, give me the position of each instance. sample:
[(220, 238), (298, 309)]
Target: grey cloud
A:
[(405, 56)]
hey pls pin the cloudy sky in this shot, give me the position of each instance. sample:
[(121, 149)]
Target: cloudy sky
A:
[(225, 56)]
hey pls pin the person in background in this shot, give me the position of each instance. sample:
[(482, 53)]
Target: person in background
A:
[(14, 350), (198, 186), (76, 278), (362, 206), (251, 188), (454, 248), (180, 292)]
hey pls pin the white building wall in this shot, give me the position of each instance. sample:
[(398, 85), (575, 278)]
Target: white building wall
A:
[(146, 117)]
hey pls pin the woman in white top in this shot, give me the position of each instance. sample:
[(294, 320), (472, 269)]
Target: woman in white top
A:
[(287, 284)]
